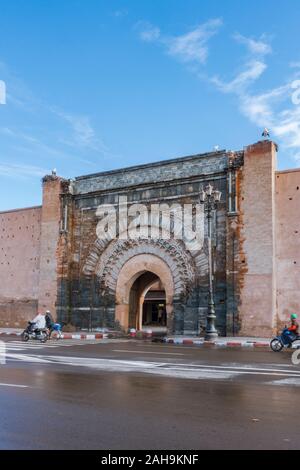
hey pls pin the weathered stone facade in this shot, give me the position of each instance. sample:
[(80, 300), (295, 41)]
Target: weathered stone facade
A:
[(95, 266), (93, 282)]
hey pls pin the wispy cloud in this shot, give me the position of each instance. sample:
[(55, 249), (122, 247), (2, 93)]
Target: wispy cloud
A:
[(17, 92), (256, 47), (191, 47), (120, 13), (83, 134), (147, 31), (252, 71), (295, 65), (33, 144), (2, 92), (21, 171), (44, 133), (275, 108), (253, 68)]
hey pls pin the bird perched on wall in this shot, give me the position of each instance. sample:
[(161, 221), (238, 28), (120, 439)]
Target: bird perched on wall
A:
[(54, 172), (266, 133)]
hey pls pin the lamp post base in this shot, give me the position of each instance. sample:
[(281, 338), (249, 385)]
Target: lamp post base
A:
[(209, 336), (211, 332)]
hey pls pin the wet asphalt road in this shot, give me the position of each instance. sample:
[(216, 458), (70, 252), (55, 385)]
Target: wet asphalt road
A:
[(133, 395)]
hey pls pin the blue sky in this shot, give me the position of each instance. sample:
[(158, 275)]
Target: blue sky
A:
[(93, 85)]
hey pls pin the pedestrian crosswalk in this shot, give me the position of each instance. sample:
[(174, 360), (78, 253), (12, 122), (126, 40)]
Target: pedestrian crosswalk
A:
[(264, 373), (19, 345), (35, 352)]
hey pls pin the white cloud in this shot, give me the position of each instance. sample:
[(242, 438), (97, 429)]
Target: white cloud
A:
[(77, 131), (120, 13), (2, 92), (33, 143), (295, 65), (278, 109), (191, 47), (253, 70), (83, 133), (256, 47), (147, 32)]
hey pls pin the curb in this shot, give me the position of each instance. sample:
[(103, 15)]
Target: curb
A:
[(9, 334), (178, 341), (84, 336), (219, 344), (68, 335)]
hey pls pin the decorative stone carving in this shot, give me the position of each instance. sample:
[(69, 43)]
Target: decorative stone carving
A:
[(106, 261)]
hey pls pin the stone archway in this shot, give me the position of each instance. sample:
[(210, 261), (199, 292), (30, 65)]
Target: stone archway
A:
[(112, 268), (151, 309), (130, 272), (147, 300)]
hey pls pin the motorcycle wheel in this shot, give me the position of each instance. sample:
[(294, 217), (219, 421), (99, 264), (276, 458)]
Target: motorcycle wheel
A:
[(25, 336), (276, 345), (296, 344), (43, 338)]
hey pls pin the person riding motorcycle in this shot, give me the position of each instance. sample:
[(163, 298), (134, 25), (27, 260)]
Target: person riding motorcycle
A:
[(292, 331), (52, 326), (38, 323), (49, 320)]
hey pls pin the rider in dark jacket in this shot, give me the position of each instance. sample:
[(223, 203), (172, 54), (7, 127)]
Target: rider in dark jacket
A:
[(49, 320)]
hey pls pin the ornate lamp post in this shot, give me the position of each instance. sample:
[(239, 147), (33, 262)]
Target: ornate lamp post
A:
[(210, 197)]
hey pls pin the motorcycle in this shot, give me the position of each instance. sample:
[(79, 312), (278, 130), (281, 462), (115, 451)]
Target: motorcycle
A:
[(33, 333), (279, 342)]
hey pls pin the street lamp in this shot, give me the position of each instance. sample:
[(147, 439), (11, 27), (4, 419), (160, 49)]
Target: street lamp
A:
[(210, 198)]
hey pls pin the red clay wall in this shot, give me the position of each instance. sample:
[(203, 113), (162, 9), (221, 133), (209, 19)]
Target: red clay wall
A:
[(257, 307), (19, 265), (287, 244)]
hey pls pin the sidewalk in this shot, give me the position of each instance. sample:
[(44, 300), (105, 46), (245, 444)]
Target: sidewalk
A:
[(225, 342), (77, 335), (221, 342)]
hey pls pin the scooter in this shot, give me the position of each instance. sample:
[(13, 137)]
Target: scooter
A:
[(279, 342), (33, 333)]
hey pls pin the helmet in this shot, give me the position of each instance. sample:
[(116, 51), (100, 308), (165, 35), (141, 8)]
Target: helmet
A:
[(294, 316), (48, 311)]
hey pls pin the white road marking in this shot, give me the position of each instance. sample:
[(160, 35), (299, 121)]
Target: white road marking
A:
[(288, 381), (148, 352), (244, 368), (27, 358), (22, 346), (192, 371), (13, 385)]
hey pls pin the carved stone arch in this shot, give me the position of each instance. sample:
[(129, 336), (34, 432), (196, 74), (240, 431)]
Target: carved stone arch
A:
[(172, 252), (130, 272), (103, 242)]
